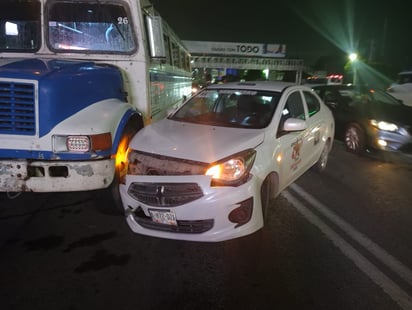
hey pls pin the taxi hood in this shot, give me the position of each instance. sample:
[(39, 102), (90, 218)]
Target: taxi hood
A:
[(196, 142)]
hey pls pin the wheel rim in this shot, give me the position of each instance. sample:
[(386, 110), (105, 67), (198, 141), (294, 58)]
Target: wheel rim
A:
[(352, 139)]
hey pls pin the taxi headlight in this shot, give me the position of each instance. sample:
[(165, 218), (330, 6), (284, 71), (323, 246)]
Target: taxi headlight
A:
[(384, 125), (233, 170)]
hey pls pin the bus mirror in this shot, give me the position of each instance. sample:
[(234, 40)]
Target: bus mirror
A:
[(155, 36)]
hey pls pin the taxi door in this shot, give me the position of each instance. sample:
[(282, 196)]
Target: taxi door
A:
[(316, 127), (295, 149)]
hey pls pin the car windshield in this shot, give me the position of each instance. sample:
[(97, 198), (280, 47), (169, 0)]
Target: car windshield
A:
[(404, 78), (361, 96), (229, 108), (90, 26), (19, 26)]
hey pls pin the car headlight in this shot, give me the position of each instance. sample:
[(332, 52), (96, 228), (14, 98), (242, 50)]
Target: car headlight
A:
[(384, 125), (233, 170)]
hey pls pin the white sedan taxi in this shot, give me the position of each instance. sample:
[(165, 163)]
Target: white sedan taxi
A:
[(209, 171)]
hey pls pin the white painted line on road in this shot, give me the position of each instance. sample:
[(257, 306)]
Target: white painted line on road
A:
[(396, 266), (388, 286)]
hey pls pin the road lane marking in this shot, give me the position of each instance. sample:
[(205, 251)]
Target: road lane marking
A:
[(391, 288), (384, 257)]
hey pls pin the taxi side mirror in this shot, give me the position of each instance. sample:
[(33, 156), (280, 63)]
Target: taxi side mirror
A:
[(294, 124)]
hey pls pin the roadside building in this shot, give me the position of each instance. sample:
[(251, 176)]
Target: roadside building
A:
[(218, 62)]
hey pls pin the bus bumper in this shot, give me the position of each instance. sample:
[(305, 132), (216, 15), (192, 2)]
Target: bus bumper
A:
[(55, 176)]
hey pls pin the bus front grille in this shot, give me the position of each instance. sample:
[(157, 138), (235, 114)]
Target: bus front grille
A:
[(17, 108)]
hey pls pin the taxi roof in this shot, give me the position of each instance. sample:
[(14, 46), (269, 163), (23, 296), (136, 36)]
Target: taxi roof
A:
[(277, 86)]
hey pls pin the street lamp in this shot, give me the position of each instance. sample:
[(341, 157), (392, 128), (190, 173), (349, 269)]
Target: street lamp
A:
[(353, 57)]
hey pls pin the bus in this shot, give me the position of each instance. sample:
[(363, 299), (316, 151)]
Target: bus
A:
[(78, 78)]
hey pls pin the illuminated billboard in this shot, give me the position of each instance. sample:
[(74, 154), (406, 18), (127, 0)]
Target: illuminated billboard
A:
[(232, 48)]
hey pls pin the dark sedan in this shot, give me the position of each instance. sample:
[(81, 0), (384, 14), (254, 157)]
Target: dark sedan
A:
[(368, 119)]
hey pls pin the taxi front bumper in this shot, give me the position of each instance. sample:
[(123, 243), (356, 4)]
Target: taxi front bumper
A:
[(197, 211)]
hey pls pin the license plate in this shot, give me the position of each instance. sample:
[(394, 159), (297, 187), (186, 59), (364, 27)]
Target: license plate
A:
[(167, 217)]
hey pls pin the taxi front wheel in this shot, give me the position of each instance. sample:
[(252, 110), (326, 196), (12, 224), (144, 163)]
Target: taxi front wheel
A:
[(320, 165), (267, 192)]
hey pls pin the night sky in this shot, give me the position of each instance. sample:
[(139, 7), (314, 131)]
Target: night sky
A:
[(379, 31)]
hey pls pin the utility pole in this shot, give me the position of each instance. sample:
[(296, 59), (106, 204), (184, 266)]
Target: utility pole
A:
[(371, 51), (384, 33)]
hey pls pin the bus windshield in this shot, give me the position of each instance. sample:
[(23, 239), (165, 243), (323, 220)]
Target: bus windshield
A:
[(90, 26), (19, 26)]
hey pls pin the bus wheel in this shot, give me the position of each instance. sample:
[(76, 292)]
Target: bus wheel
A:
[(108, 200)]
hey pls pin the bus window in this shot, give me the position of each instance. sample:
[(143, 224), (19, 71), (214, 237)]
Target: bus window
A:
[(97, 27), (167, 49)]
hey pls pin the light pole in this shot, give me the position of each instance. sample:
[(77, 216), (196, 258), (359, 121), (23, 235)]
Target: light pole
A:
[(353, 58)]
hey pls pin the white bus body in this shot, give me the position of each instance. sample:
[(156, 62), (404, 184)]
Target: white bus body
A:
[(77, 79)]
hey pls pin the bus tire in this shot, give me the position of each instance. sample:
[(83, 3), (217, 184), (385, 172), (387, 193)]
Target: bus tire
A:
[(108, 200)]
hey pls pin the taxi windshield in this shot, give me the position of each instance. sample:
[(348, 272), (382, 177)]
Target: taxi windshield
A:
[(90, 26), (19, 26), (230, 108)]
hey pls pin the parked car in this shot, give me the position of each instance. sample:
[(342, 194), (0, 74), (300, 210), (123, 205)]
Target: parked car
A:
[(367, 118), (209, 171), (402, 88)]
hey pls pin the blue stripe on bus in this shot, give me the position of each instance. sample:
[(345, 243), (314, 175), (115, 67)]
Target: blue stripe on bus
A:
[(49, 155)]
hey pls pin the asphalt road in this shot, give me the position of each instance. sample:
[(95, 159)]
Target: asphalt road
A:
[(340, 240)]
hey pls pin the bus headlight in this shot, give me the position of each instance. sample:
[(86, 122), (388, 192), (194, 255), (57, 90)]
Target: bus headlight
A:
[(82, 143), (78, 143)]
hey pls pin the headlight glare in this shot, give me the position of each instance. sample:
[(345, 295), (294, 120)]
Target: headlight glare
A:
[(228, 171), (384, 125), (232, 171)]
